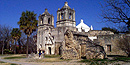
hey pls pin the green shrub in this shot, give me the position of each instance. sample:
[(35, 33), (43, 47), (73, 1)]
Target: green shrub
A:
[(7, 51)]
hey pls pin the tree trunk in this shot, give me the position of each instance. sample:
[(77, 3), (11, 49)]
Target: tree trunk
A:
[(3, 48), (19, 46), (15, 48), (27, 45)]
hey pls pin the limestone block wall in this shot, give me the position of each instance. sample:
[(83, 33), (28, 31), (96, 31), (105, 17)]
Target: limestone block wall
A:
[(109, 43), (58, 48), (98, 32)]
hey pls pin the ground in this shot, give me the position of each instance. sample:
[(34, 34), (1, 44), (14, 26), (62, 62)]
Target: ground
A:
[(14, 60)]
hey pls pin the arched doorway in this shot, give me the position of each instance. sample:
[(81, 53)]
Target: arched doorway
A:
[(49, 50)]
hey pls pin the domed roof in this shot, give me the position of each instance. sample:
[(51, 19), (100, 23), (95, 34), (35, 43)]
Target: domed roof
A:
[(83, 26)]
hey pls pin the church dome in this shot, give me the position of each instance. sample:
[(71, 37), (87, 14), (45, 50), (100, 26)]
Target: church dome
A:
[(83, 26)]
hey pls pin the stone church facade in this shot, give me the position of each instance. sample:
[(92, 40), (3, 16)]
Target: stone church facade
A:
[(51, 39), (48, 37)]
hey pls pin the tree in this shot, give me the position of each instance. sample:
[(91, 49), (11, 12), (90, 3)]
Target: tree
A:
[(117, 11), (15, 34), (110, 29), (5, 37), (28, 24), (124, 45)]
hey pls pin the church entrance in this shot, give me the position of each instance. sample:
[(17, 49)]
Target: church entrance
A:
[(49, 50)]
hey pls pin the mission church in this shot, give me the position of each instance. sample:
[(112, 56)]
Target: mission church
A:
[(50, 38)]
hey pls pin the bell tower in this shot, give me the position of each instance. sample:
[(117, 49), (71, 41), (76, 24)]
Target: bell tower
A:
[(46, 19), (45, 25), (66, 17)]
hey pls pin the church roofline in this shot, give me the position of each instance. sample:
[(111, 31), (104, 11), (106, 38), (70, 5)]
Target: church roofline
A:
[(66, 6), (46, 12)]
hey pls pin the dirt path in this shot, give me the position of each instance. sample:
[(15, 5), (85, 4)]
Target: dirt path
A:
[(24, 62)]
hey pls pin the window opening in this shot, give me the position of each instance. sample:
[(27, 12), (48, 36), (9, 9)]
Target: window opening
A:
[(70, 16), (62, 16), (109, 48), (49, 21)]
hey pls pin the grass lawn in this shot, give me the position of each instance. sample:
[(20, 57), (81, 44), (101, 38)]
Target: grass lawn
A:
[(48, 58), (106, 61), (125, 59), (51, 56), (15, 57)]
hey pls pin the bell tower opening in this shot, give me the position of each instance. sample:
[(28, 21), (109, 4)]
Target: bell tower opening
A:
[(61, 15), (49, 21), (70, 17)]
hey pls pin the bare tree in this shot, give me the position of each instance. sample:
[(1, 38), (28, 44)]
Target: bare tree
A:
[(22, 43), (117, 11), (5, 36), (124, 45)]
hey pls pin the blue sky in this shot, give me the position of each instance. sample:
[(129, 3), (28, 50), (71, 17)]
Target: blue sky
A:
[(88, 10)]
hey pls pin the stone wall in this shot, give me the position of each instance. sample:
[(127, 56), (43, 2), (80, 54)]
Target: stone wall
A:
[(109, 43), (98, 32), (58, 48)]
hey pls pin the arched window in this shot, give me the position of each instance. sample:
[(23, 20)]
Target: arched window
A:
[(49, 21), (61, 15), (70, 16)]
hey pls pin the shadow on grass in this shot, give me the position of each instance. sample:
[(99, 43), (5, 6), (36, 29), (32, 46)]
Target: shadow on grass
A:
[(115, 58), (51, 56), (2, 62), (5, 63), (15, 57), (13, 64), (119, 58)]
